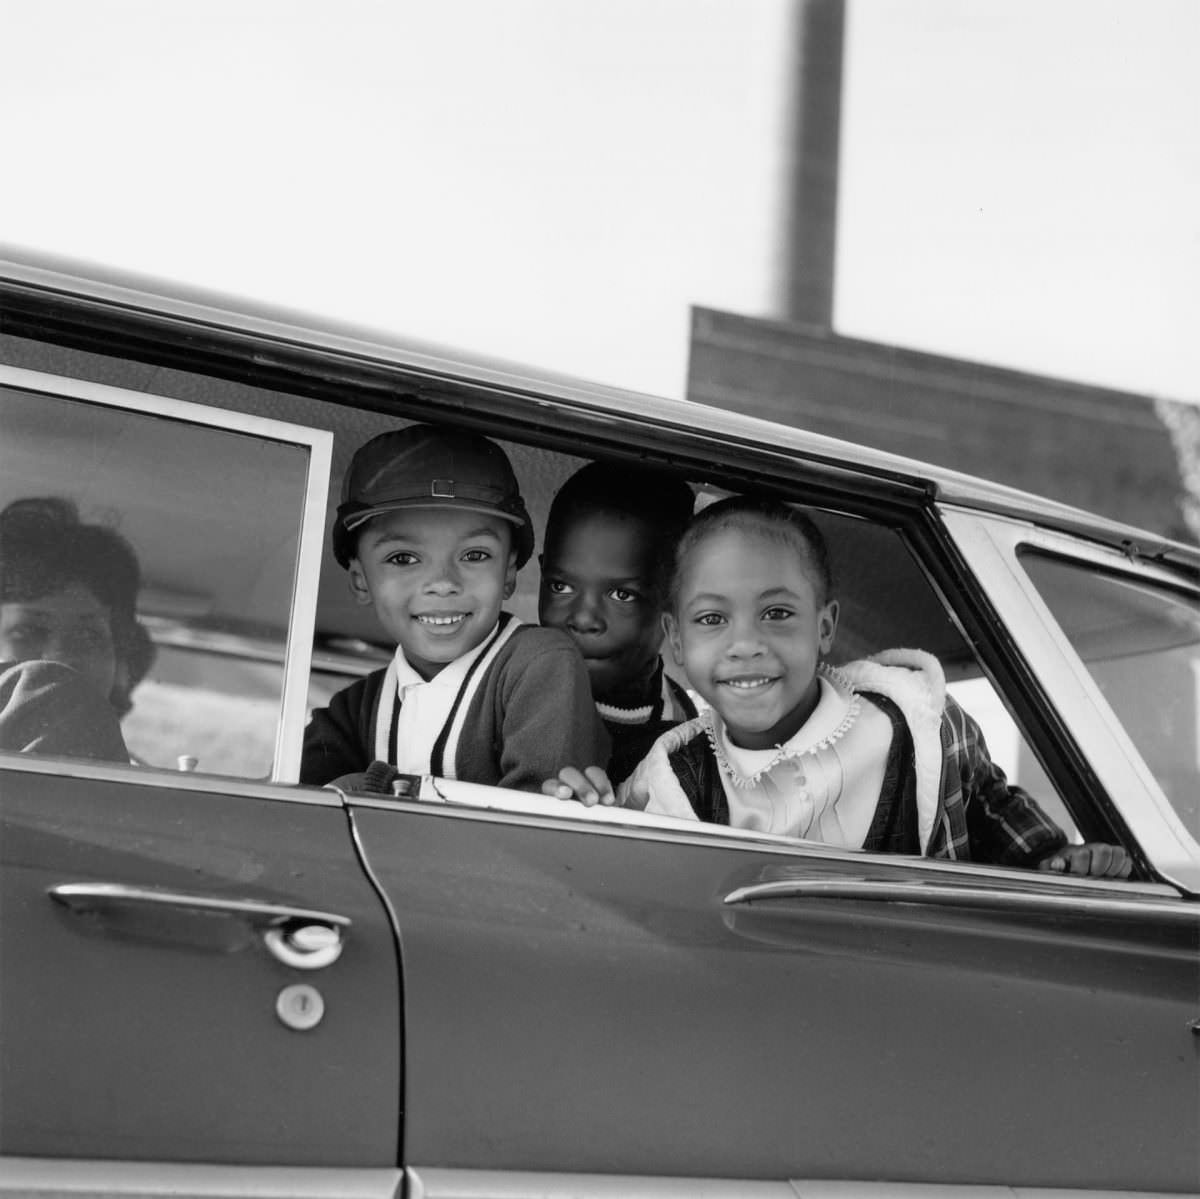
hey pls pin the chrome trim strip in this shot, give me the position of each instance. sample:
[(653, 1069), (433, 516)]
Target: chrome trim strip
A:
[(964, 896), (153, 404), (84, 897), (822, 1189), (182, 780), (302, 622), (293, 707), (86, 1179), (442, 1183)]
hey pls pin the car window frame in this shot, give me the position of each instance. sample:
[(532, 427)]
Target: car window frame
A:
[(302, 608), (991, 545)]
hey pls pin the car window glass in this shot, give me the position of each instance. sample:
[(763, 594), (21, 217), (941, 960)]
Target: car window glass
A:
[(1141, 644), (212, 507)]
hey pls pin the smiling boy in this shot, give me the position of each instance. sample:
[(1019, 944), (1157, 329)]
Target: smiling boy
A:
[(432, 531)]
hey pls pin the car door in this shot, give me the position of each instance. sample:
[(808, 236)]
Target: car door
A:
[(614, 995), (199, 984), (160, 996)]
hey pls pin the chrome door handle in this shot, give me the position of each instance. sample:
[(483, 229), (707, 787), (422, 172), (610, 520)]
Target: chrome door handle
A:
[(305, 946), (298, 937), (997, 899)]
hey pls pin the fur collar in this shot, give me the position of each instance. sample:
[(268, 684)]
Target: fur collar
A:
[(912, 679), (915, 682)]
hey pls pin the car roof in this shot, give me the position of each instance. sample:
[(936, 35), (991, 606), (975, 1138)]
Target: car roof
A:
[(29, 276)]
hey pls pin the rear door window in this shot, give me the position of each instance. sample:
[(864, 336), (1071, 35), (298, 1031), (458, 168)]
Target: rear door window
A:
[(178, 534)]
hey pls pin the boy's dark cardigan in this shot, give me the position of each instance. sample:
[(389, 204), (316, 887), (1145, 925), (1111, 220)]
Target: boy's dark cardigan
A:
[(531, 712)]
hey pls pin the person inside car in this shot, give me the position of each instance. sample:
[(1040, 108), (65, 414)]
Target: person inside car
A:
[(610, 539), (71, 646), (432, 530), (873, 754)]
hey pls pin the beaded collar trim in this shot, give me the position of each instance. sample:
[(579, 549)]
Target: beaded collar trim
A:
[(840, 683)]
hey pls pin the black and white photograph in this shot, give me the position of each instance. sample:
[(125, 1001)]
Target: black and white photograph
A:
[(600, 599)]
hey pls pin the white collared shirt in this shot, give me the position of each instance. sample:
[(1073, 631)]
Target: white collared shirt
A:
[(425, 707)]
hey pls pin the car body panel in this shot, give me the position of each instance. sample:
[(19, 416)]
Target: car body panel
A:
[(579, 997), (129, 1033)]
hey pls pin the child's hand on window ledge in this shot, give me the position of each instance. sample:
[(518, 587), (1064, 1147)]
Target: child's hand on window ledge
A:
[(377, 779), (1095, 859), (589, 786)]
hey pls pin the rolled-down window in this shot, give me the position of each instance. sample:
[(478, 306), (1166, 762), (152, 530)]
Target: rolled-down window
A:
[(158, 566)]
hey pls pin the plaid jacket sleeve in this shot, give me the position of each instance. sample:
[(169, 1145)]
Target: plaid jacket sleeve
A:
[(984, 819)]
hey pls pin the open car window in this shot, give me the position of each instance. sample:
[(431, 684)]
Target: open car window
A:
[(228, 509), (227, 492), (886, 597), (223, 512)]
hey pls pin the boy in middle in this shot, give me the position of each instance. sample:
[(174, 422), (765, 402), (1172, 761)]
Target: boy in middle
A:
[(609, 545), (432, 531)]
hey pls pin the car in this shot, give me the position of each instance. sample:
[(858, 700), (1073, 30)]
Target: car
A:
[(216, 980)]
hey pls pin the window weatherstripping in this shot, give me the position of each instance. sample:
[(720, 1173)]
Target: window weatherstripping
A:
[(300, 509), (443, 1183), (30, 1177)]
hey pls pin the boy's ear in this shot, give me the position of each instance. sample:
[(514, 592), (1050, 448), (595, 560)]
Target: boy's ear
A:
[(359, 587), (827, 620), (671, 629), (510, 574)]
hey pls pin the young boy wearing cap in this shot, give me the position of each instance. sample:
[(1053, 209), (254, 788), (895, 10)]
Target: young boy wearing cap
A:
[(432, 530)]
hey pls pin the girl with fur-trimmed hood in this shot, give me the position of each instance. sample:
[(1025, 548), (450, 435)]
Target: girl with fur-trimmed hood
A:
[(871, 755)]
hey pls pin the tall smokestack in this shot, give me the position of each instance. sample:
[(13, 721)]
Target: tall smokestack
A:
[(805, 287)]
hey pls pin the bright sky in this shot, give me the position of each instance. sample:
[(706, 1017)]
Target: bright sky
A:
[(557, 181), (1021, 184)]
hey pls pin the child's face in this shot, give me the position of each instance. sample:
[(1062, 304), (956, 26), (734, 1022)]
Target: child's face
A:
[(70, 626), (749, 630), (598, 584), (436, 580)]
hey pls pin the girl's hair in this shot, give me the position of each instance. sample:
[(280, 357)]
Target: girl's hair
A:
[(45, 547), (661, 501), (773, 519)]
